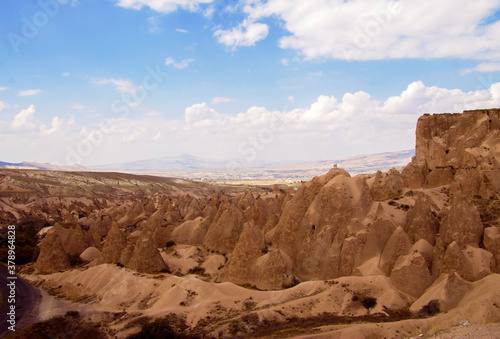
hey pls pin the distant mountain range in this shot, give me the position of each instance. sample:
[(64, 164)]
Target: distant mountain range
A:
[(192, 167), (41, 166)]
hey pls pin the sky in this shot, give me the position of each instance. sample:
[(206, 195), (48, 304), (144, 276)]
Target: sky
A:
[(108, 81)]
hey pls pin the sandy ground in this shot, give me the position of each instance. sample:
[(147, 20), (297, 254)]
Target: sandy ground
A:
[(111, 289)]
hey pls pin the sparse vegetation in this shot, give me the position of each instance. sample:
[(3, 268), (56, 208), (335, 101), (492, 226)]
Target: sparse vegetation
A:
[(197, 270), (431, 308), (368, 303), (158, 329), (26, 239), (75, 260), (68, 326)]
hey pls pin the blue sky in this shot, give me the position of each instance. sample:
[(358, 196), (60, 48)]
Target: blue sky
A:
[(98, 82)]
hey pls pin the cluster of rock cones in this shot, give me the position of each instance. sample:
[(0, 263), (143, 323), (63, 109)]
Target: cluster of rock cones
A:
[(438, 216)]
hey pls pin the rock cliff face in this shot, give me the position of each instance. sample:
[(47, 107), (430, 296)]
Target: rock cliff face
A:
[(436, 219), (448, 145)]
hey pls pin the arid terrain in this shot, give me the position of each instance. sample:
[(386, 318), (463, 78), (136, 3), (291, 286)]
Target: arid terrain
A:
[(411, 252)]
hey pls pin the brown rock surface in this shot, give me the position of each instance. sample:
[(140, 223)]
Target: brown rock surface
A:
[(224, 232), (146, 257), (386, 185), (399, 244), (411, 275), (491, 241), (52, 257), (421, 221), (241, 266), (114, 245), (461, 223)]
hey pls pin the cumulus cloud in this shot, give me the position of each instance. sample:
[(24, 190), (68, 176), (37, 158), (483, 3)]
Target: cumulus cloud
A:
[(57, 126), (182, 64), (28, 92), (245, 34), (200, 114), (3, 88), (331, 127), (121, 85), (371, 30), (180, 30), (25, 120), (163, 6)]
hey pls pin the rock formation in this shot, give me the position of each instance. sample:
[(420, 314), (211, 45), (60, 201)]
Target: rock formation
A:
[(52, 257), (430, 226)]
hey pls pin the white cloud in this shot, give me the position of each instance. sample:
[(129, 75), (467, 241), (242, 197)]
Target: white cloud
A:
[(385, 29), (207, 13), (163, 6), (154, 24), (28, 92), (25, 120), (78, 106), (218, 100), (483, 67), (200, 114), (183, 64), (245, 34), (180, 30), (121, 85), (57, 125), (67, 74), (291, 99), (329, 128), (3, 88), (3, 105)]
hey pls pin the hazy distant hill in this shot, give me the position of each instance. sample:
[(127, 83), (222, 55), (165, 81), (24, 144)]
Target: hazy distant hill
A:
[(196, 167), (192, 167), (41, 166)]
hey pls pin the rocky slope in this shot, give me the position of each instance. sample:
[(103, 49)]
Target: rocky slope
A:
[(430, 230)]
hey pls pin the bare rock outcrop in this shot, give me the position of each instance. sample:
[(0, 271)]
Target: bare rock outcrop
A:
[(461, 223), (448, 289), (398, 245), (74, 240), (448, 142), (491, 241), (113, 247), (241, 266), (146, 257), (225, 230), (411, 275), (386, 185), (421, 221), (52, 257), (455, 261)]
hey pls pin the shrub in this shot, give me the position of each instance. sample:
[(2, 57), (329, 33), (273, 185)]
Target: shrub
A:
[(431, 308), (74, 259), (197, 270), (158, 329), (368, 302)]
